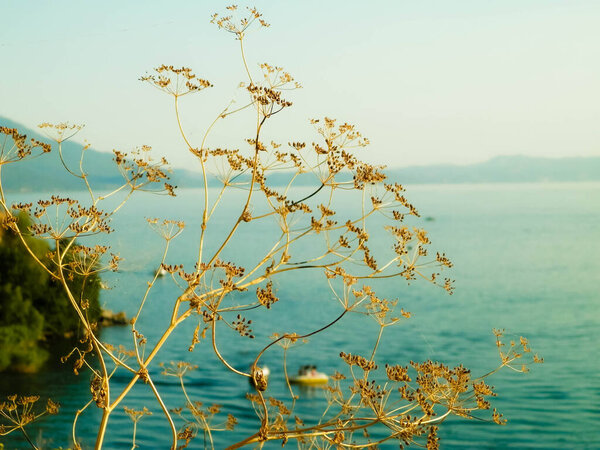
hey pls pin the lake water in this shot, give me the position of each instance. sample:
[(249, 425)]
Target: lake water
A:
[(526, 259)]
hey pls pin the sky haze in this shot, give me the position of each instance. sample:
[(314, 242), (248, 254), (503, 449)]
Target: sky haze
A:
[(427, 81)]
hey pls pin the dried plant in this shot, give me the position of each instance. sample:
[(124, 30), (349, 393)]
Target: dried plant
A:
[(407, 402), (16, 412)]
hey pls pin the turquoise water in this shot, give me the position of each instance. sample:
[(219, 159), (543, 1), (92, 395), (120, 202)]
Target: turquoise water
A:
[(525, 260)]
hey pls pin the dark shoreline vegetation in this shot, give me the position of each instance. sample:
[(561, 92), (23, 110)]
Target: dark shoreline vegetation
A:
[(41, 173), (35, 313)]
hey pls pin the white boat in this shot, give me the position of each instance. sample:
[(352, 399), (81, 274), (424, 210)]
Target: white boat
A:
[(308, 375)]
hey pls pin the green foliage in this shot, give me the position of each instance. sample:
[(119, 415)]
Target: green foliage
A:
[(33, 306), (20, 331), (20, 348)]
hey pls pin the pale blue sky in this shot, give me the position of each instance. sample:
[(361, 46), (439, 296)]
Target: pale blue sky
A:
[(427, 81)]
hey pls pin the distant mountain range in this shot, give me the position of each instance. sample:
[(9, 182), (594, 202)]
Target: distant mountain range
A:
[(42, 174), (504, 169), (46, 173)]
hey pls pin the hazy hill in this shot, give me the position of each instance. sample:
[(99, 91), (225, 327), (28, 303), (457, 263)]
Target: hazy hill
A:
[(504, 169), (47, 174), (501, 169)]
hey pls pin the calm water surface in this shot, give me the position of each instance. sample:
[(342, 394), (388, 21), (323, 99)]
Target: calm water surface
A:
[(526, 259)]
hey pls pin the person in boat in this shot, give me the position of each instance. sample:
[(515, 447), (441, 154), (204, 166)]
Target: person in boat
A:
[(308, 370), (308, 374)]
